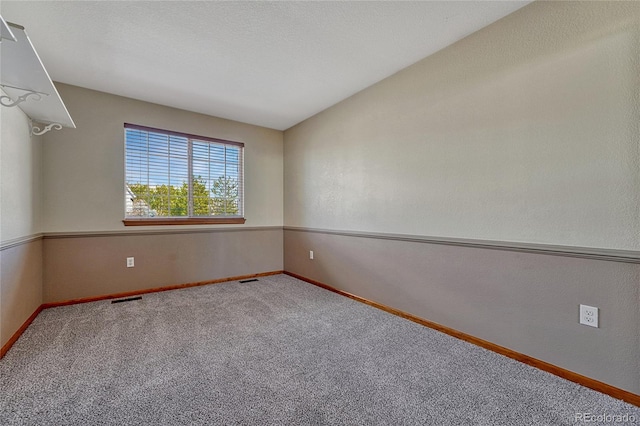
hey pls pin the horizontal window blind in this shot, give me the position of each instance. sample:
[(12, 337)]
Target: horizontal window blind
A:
[(178, 175)]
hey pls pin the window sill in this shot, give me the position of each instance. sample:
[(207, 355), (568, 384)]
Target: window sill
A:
[(184, 221)]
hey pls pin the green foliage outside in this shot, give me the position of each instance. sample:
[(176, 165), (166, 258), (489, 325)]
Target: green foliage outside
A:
[(171, 201)]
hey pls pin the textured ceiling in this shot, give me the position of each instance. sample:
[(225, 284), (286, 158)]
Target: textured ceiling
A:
[(267, 63)]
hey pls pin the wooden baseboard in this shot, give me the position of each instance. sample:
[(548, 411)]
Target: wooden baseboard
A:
[(588, 382), (33, 316), (155, 290), (19, 332)]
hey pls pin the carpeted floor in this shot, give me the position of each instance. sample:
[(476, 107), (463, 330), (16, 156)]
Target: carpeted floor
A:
[(276, 351)]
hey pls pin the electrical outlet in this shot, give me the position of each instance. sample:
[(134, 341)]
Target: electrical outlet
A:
[(589, 315), (130, 262), (311, 254)]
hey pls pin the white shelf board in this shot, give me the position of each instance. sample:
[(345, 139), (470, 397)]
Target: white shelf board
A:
[(22, 67), (5, 31)]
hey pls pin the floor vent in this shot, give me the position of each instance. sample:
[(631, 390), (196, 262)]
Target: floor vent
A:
[(126, 300), (249, 281)]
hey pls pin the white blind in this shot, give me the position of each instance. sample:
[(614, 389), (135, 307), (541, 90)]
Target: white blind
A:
[(172, 174)]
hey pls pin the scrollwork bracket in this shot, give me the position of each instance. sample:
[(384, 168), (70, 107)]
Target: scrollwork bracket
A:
[(37, 131)]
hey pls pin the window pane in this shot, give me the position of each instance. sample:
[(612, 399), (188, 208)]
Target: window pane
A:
[(171, 175)]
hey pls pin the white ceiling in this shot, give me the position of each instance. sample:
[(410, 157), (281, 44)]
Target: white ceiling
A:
[(266, 63)]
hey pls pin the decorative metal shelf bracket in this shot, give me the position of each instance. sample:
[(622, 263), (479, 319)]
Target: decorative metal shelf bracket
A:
[(8, 102), (37, 131)]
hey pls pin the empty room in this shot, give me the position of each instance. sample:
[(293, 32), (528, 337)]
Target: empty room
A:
[(317, 212)]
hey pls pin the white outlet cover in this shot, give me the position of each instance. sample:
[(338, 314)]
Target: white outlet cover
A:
[(130, 262), (589, 315)]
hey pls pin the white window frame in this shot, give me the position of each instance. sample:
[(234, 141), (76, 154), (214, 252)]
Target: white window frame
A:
[(190, 218)]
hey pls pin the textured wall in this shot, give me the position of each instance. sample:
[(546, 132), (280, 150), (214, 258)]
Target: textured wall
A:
[(20, 217), (527, 302), (20, 177), (89, 265), (21, 273), (84, 167), (76, 179), (524, 131), (83, 192)]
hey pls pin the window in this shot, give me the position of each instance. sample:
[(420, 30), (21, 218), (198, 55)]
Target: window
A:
[(177, 178)]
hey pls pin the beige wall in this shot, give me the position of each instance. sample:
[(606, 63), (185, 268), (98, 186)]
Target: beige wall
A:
[(83, 173), (21, 270), (20, 221), (83, 168), (525, 131), (84, 266), (20, 177), (525, 301), (70, 183)]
